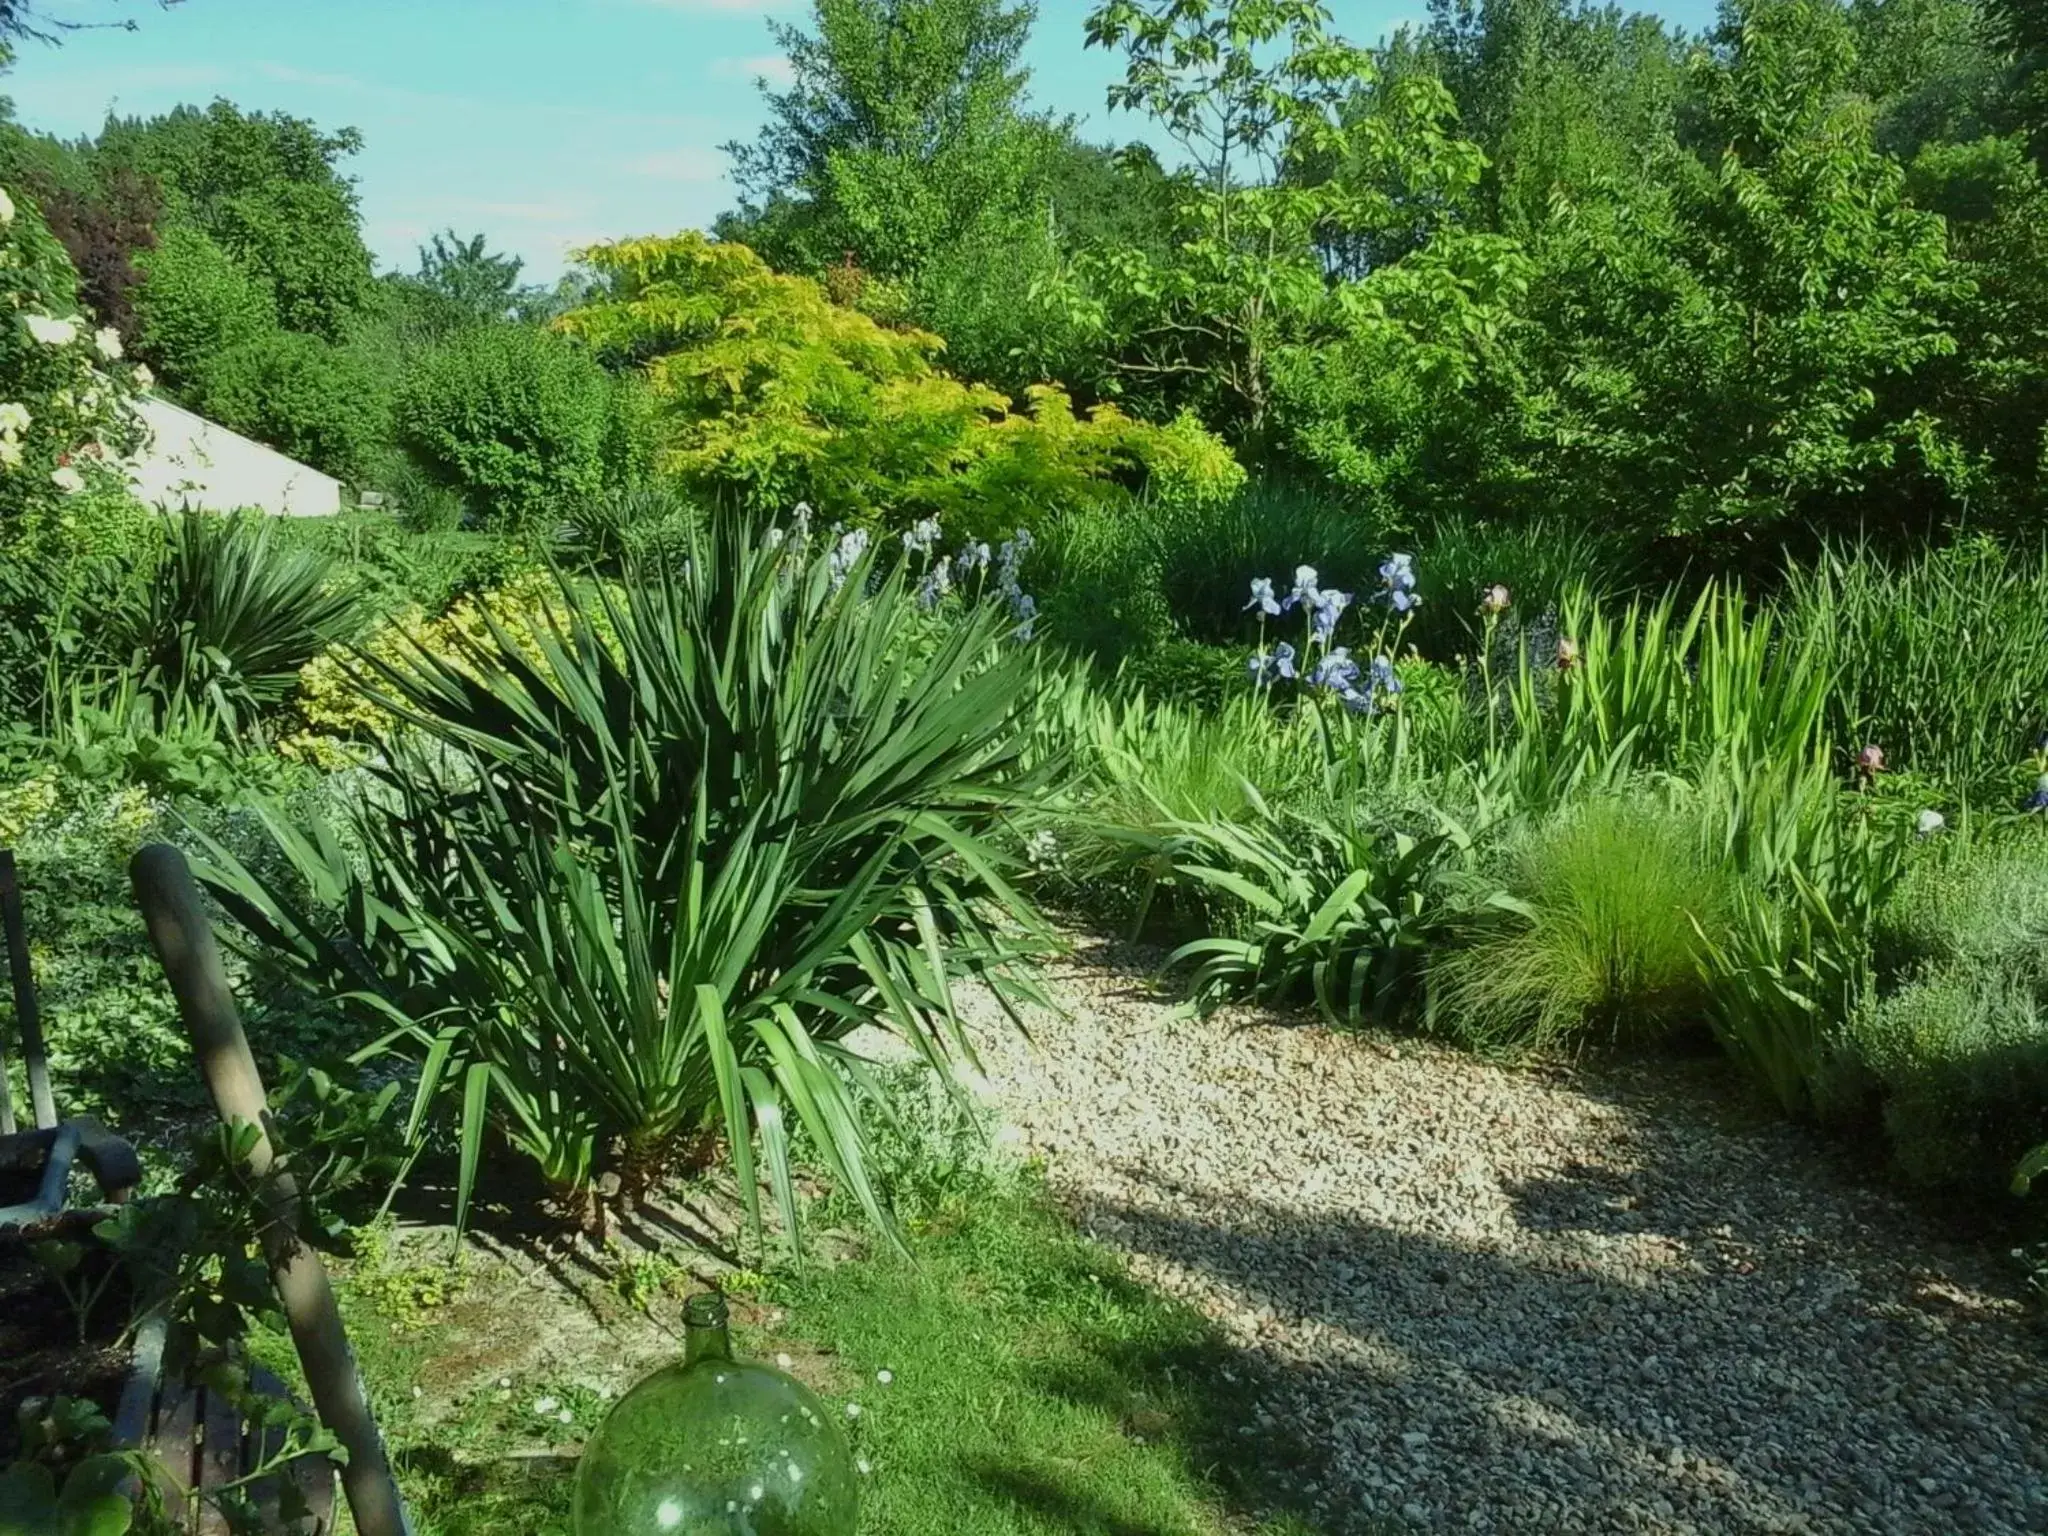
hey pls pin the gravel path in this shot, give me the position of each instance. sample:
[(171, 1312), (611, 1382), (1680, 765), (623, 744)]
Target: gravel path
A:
[(1613, 1300)]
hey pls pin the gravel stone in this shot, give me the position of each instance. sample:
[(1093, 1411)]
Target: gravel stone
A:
[(1613, 1299)]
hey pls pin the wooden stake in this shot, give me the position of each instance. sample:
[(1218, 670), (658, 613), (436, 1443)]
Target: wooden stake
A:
[(191, 959), (42, 1102)]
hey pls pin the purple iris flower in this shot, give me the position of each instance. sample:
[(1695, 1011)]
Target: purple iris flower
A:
[(1262, 596), (1329, 608), (1264, 667), (2037, 802), (1335, 671), (1305, 589), (1384, 678)]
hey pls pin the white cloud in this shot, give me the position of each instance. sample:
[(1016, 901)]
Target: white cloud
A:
[(692, 162), (772, 67)]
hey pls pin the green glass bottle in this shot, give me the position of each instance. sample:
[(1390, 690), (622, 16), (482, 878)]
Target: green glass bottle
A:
[(715, 1446)]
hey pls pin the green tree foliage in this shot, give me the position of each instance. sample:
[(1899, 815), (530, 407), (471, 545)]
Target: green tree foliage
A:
[(1933, 71), (196, 303), (2021, 28), (903, 164), (1561, 96), (1993, 390), (515, 418), (1258, 94), (1724, 351), (268, 190), (764, 386), (459, 283), (324, 404), (891, 136)]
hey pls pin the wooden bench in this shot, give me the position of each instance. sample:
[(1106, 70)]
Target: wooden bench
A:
[(201, 1445)]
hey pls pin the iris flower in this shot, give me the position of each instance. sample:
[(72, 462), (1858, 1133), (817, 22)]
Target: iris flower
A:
[(1335, 671), (1329, 608), (1305, 589), (1262, 596)]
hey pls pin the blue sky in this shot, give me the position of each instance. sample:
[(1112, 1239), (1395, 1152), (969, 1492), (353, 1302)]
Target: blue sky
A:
[(543, 123)]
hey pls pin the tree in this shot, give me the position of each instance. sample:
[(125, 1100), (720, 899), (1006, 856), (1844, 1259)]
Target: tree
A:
[(1933, 71), (884, 141), (25, 18), (194, 304), (318, 402), (1255, 92), (2021, 28), (1738, 344), (267, 189), (514, 417), (1993, 389), (104, 227), (1561, 95), (471, 279), (766, 388)]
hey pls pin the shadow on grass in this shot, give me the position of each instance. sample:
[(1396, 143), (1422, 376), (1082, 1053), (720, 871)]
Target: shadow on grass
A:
[(1058, 1501), (1035, 1388)]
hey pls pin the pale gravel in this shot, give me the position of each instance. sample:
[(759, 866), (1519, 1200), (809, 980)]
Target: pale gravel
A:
[(1611, 1300)]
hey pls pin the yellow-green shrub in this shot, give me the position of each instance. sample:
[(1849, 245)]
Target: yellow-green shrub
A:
[(764, 385), (335, 708)]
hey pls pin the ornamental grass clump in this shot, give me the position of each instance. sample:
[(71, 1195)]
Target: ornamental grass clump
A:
[(622, 901), (1593, 941)]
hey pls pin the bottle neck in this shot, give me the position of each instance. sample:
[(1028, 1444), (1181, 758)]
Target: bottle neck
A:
[(704, 1330)]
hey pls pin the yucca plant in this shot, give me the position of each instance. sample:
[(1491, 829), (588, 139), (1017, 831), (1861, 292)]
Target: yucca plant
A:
[(230, 616), (626, 887)]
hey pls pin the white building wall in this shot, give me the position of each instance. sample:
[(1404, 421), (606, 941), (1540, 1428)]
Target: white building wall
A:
[(190, 462)]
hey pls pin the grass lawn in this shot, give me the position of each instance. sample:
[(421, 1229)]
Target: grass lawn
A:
[(1034, 1389)]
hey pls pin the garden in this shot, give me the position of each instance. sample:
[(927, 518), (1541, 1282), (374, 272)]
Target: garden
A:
[(1341, 832)]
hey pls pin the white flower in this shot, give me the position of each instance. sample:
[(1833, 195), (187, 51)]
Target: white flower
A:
[(1929, 822), (51, 333), (853, 1410), (544, 1406), (6, 208), (10, 453), (67, 479), (885, 1377), (108, 340), (144, 379), (14, 417)]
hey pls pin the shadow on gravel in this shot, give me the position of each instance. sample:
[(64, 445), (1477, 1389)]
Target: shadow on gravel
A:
[(1675, 1352)]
